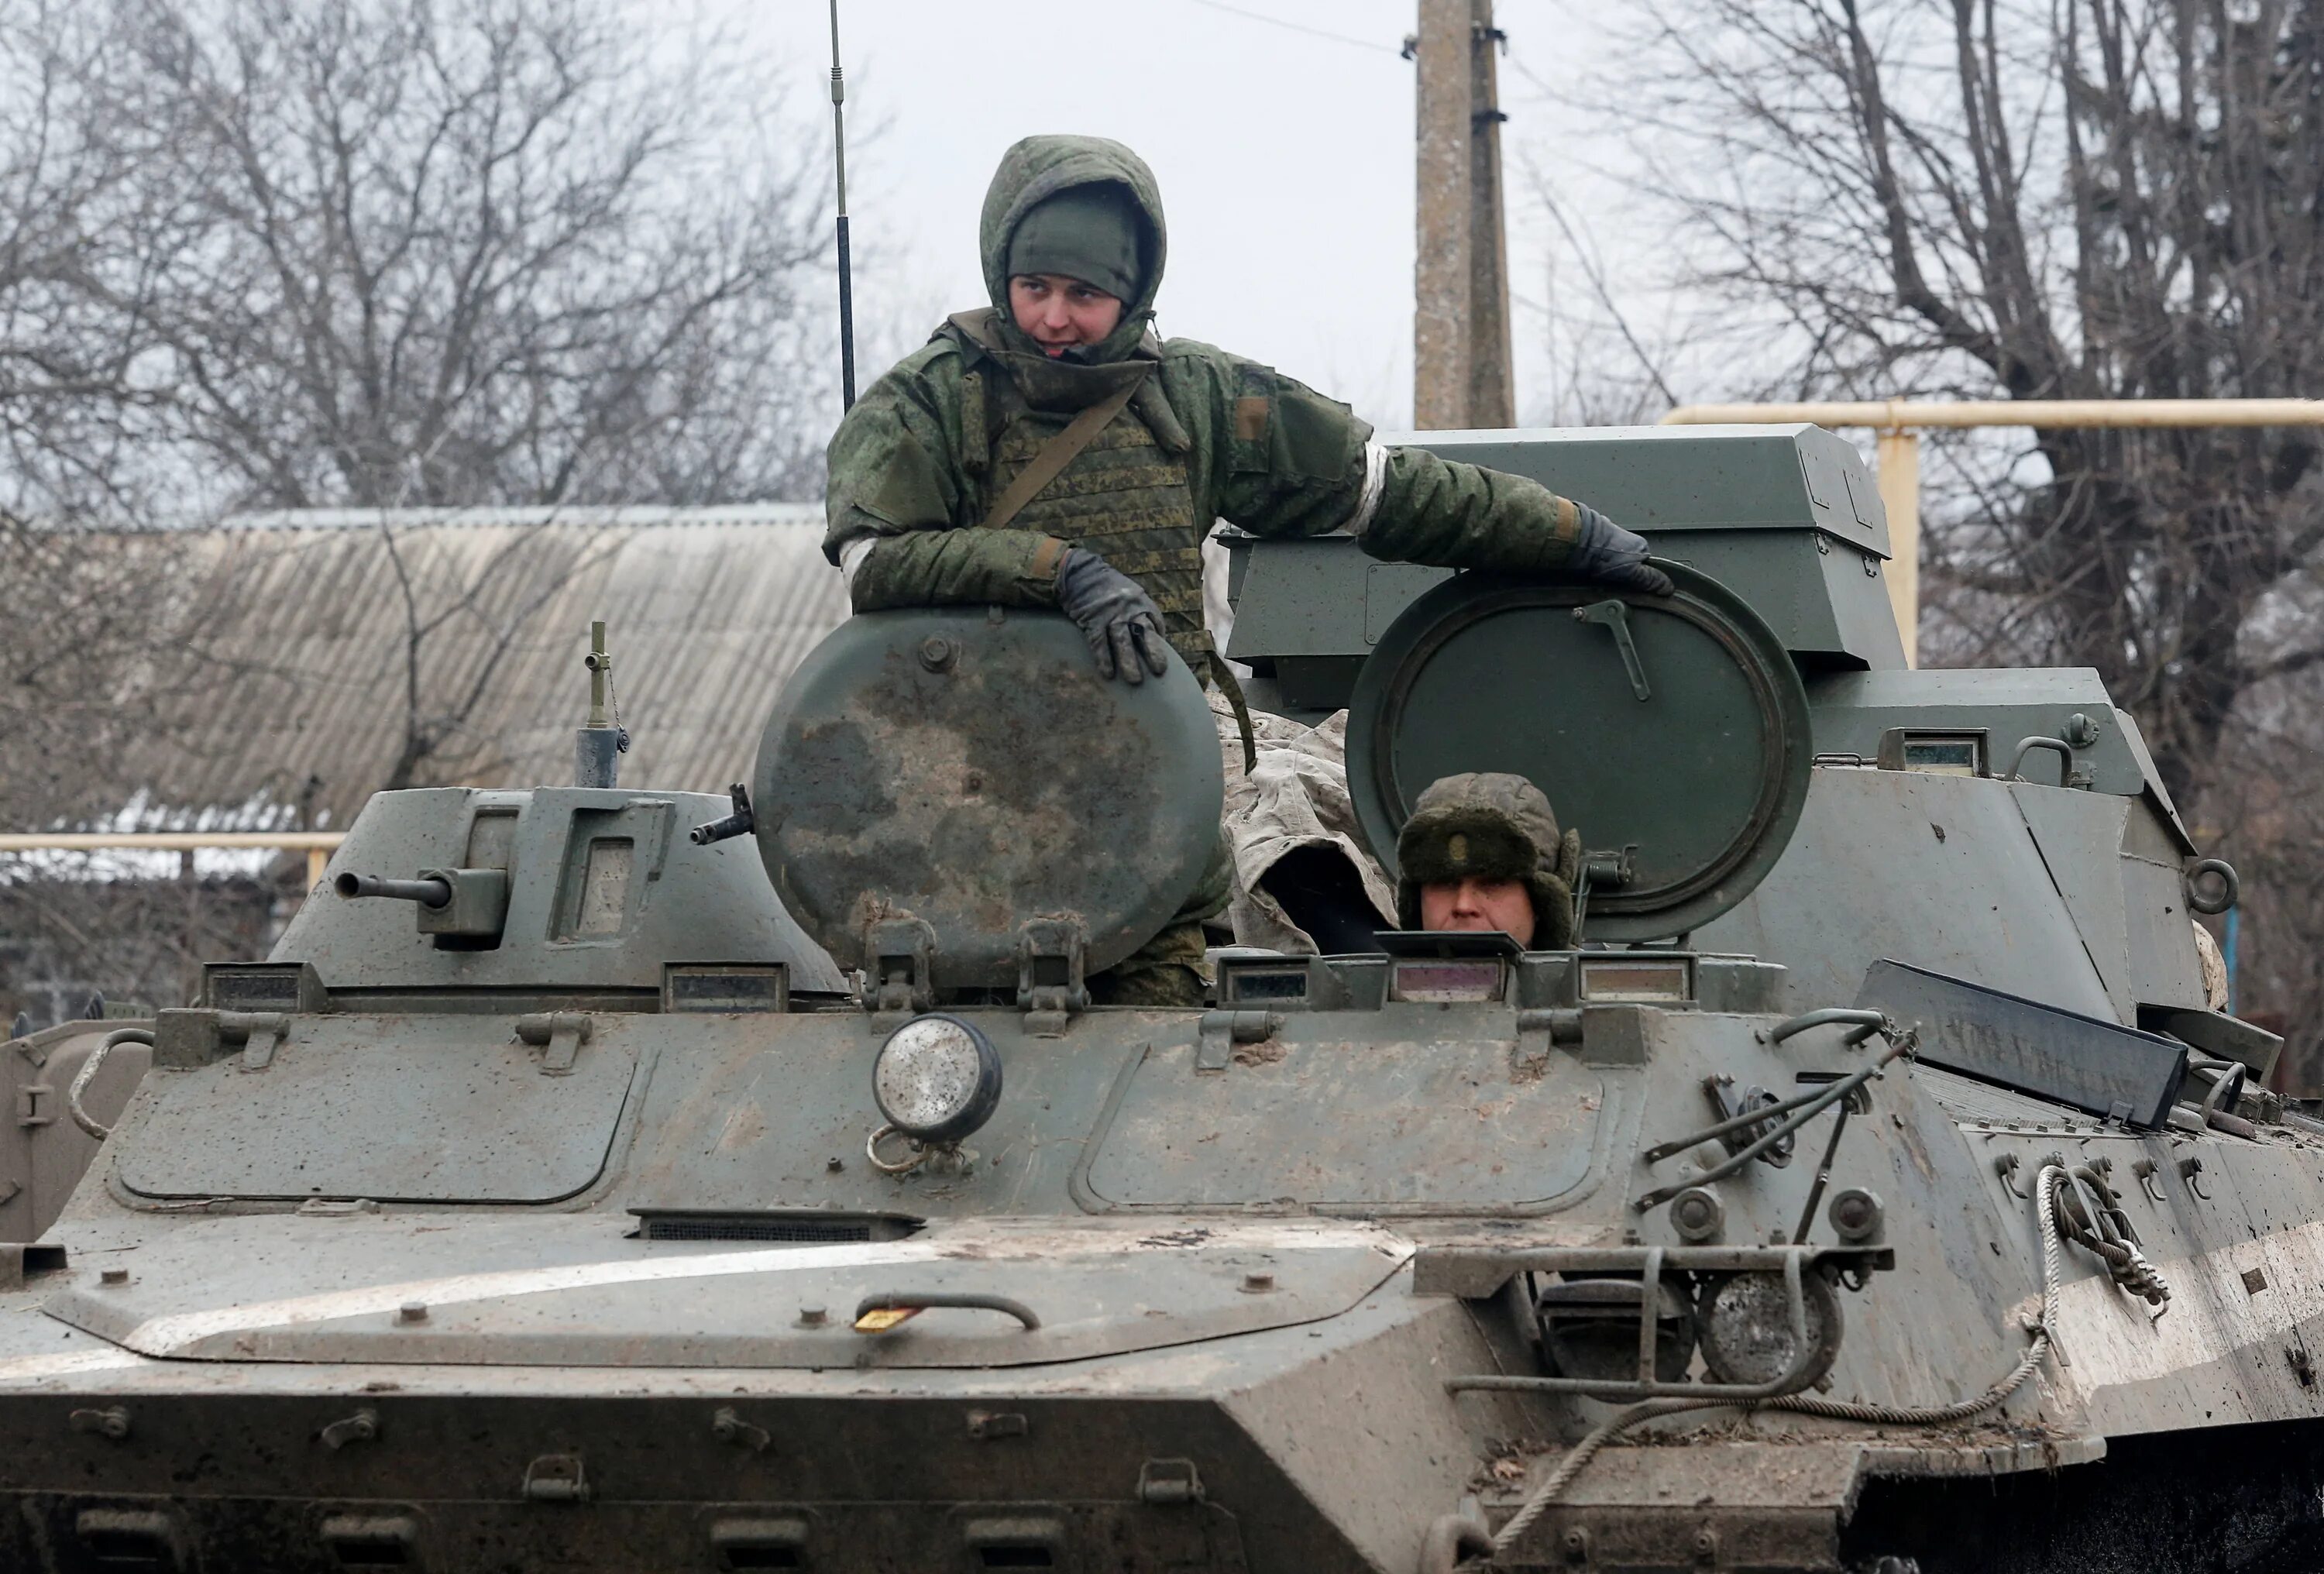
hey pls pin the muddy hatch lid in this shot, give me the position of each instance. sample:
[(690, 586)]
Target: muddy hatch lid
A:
[(393, 1109), (971, 768), (1673, 730)]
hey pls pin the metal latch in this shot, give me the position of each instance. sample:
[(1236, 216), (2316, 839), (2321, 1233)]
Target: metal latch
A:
[(556, 1479), (1605, 869), (1616, 616), (563, 1032), (1218, 1033)]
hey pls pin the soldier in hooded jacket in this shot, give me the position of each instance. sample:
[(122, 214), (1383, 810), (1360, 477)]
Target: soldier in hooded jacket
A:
[(930, 503)]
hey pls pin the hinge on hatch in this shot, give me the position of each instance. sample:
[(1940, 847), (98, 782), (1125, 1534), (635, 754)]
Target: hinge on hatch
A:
[(563, 1032), (1049, 982), (262, 1033), (1218, 1032), (900, 959)]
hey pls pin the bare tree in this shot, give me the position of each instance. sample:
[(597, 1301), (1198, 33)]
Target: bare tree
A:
[(1602, 368), (264, 253), (70, 210), (2087, 198), (2056, 198), (490, 604), (480, 246), (272, 254)]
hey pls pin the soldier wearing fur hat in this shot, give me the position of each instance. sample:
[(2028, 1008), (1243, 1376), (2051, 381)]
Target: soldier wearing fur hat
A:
[(1482, 852)]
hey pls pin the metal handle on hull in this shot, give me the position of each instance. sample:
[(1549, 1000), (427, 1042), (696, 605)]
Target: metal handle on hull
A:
[(962, 1300)]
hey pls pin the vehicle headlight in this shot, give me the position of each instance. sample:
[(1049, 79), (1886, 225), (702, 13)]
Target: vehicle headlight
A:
[(1745, 1325), (936, 1079)]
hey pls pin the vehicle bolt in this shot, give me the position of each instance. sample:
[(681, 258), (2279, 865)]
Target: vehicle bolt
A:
[(813, 1317), (1698, 1215), (1257, 1283), (411, 1311), (935, 653), (114, 1276), (1856, 1215), (835, 1164)]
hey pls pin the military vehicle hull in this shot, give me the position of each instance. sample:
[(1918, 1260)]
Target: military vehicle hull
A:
[(353, 1379), (1880, 1189)]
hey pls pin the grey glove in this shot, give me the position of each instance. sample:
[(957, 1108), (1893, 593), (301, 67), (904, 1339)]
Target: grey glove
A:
[(1118, 618), (1611, 556)]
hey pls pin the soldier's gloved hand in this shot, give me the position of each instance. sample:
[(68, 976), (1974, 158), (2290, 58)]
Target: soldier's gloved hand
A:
[(1609, 554), (1117, 617)]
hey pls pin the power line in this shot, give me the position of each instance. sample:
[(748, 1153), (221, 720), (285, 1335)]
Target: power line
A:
[(1362, 43)]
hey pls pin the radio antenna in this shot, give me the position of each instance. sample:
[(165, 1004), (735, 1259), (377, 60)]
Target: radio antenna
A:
[(846, 287)]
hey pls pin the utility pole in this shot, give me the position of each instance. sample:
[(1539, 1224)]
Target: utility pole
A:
[(1461, 315)]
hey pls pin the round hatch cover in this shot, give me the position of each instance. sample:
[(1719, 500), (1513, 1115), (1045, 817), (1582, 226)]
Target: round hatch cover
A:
[(1672, 732), (972, 769)]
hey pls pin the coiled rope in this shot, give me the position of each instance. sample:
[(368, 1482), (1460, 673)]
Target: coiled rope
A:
[(2037, 1349), (2103, 1230)]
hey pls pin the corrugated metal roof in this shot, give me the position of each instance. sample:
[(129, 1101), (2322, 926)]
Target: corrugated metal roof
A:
[(309, 622), (344, 518)]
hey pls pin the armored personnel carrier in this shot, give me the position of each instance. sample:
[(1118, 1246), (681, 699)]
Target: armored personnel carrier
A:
[(597, 1178)]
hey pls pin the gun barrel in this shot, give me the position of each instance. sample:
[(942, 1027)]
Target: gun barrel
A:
[(427, 893)]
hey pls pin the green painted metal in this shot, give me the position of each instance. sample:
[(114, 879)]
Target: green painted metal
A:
[(1692, 478), (574, 929), (972, 771), (495, 1249), (1786, 517), (1672, 733), (454, 1117)]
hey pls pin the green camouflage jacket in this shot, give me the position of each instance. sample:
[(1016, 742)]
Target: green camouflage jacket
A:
[(918, 461)]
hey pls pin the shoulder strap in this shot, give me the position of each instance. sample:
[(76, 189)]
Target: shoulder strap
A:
[(1057, 452)]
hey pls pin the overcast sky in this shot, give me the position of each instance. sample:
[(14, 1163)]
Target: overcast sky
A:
[(1285, 158)]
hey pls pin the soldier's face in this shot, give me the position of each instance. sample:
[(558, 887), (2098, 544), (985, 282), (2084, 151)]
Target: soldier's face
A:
[(1479, 904), (1059, 312)]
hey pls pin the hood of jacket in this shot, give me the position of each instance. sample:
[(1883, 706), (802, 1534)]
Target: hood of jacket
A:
[(1038, 169)]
